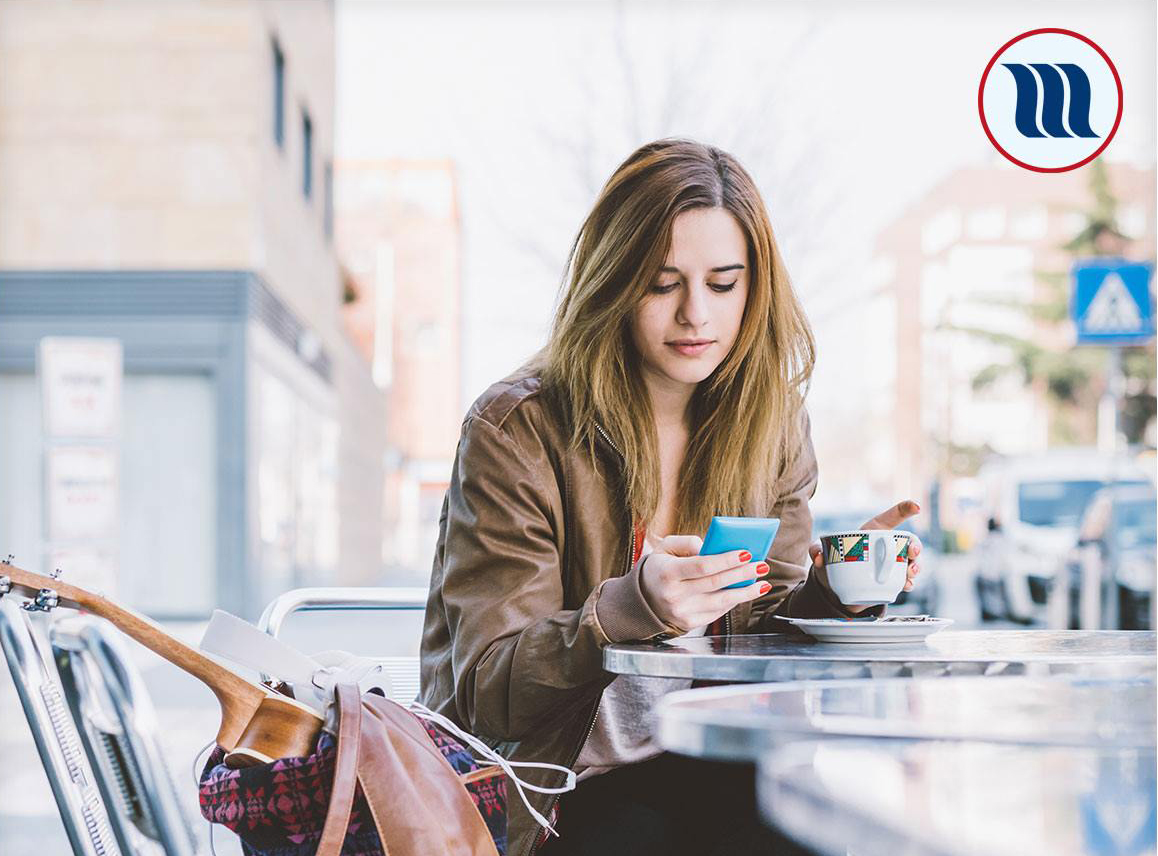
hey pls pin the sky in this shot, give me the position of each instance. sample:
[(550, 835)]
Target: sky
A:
[(845, 114)]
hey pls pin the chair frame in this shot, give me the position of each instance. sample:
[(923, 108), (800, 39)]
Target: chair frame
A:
[(339, 598), (79, 799), (118, 726), (95, 730)]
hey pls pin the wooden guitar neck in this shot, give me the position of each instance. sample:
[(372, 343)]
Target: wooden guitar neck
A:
[(240, 699)]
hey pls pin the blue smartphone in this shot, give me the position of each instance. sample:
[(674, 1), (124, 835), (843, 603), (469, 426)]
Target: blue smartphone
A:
[(754, 534)]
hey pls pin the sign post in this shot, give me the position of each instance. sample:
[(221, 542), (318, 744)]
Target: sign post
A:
[(1112, 305)]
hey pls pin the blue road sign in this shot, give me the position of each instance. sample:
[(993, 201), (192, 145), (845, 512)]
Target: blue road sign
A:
[(1111, 302)]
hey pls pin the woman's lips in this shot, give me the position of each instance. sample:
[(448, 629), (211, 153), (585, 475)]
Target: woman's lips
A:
[(690, 350)]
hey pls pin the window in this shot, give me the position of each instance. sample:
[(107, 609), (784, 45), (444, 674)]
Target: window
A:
[(307, 154), (328, 201), (278, 95), (940, 230), (1056, 503), (986, 224)]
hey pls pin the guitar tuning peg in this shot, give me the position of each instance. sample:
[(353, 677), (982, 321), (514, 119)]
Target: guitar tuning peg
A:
[(55, 574), (45, 600), (8, 561)]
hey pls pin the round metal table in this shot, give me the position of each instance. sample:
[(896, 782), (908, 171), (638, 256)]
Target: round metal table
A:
[(877, 798), (741, 723), (792, 657)]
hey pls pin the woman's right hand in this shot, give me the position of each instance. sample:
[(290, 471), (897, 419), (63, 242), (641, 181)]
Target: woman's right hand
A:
[(686, 589)]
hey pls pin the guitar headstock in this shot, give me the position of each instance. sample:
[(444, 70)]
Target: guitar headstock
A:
[(240, 698), (43, 592)]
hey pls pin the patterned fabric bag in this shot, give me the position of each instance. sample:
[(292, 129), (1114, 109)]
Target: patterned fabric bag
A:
[(405, 781)]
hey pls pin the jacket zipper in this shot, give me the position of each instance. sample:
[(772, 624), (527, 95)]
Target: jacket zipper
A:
[(599, 428), (599, 702)]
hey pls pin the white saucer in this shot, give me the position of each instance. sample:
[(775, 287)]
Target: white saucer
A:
[(897, 628)]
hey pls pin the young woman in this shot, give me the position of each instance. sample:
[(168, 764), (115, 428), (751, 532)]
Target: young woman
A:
[(671, 389)]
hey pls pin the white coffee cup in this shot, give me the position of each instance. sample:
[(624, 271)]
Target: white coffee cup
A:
[(866, 567)]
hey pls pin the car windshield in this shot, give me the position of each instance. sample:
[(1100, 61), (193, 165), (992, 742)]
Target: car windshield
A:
[(1054, 503), (1136, 523)]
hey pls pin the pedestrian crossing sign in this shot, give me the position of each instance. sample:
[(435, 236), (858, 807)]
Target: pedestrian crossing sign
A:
[(1112, 303)]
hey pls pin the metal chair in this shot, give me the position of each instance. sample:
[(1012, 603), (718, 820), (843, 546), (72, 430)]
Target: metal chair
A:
[(403, 670), (119, 729), (112, 787), (94, 727), (70, 774)]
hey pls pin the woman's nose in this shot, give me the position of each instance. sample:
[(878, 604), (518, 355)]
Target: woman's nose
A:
[(693, 309)]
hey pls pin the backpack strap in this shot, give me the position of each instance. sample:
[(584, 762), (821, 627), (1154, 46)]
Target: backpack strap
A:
[(418, 802), (345, 770)]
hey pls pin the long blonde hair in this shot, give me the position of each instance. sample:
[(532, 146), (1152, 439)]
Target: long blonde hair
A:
[(746, 417)]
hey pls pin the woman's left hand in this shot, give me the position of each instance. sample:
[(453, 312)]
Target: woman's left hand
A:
[(885, 520)]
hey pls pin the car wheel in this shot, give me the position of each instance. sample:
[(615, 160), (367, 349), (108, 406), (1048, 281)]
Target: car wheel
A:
[(993, 604), (930, 607), (1133, 610)]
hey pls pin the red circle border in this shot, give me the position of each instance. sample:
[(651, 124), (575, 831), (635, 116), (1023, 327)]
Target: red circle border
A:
[(981, 100)]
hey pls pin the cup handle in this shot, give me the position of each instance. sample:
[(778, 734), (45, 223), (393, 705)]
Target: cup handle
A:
[(883, 550)]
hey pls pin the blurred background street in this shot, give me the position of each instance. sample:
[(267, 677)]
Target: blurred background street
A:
[(258, 257)]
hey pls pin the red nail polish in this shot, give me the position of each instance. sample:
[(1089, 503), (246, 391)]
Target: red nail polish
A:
[(761, 569), (765, 588), (745, 556)]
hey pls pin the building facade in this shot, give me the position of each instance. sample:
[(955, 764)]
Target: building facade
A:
[(398, 232), (167, 181), (970, 256)]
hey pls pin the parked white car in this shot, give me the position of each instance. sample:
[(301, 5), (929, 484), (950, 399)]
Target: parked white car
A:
[(1034, 504), (1115, 553)]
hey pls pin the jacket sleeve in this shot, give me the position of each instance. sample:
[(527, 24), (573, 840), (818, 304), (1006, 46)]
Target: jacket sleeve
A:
[(518, 657), (796, 591)]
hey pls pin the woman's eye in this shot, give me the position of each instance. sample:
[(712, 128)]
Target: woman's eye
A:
[(719, 287)]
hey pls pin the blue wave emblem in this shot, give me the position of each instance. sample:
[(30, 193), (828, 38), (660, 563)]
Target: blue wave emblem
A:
[(1048, 85)]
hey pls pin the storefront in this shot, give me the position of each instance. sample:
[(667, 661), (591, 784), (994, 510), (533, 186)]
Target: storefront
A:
[(229, 442)]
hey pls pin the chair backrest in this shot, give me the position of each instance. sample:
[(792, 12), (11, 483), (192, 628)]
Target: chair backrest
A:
[(118, 727), (70, 774), (400, 637)]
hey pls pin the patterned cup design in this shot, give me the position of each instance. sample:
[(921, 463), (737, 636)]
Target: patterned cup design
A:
[(854, 547), (866, 567)]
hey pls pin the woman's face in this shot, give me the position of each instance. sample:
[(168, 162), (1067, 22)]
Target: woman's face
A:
[(698, 297)]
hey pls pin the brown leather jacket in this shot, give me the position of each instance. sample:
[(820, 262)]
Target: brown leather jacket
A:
[(533, 576)]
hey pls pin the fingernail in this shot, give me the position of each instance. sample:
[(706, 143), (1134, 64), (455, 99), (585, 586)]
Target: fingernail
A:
[(761, 569), (765, 588), (745, 556)]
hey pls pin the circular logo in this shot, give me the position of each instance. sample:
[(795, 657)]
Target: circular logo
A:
[(1050, 100)]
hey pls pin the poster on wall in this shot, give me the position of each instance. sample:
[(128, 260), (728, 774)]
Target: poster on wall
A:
[(81, 493), (81, 387)]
